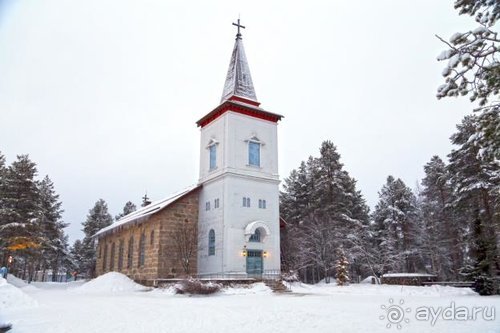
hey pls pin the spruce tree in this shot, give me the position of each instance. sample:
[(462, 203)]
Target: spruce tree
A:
[(3, 244), (342, 268), (77, 257), (97, 219), (51, 228), (394, 227), (19, 232), (127, 209), (3, 169)]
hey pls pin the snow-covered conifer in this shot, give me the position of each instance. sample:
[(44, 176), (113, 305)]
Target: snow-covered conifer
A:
[(342, 268), (127, 209), (394, 227), (97, 219)]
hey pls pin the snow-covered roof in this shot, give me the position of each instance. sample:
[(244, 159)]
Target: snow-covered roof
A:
[(147, 211), (238, 78)]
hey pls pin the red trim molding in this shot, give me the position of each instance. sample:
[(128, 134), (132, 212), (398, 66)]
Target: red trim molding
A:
[(238, 108), (243, 100)]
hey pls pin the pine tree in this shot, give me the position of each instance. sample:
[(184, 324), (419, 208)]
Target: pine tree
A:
[(441, 236), (475, 178), (127, 209), (324, 212), (342, 268), (472, 56), (97, 219)]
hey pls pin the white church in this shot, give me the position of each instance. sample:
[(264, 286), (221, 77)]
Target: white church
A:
[(235, 204)]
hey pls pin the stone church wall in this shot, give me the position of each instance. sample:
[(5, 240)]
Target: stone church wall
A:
[(161, 258)]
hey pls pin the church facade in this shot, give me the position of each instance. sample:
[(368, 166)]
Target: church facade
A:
[(232, 213)]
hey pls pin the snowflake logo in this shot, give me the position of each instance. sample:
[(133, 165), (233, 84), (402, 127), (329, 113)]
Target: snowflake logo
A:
[(395, 314)]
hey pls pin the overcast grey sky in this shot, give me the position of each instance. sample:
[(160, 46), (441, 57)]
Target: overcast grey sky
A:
[(104, 94)]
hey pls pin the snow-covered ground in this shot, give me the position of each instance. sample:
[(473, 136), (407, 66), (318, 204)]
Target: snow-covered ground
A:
[(112, 303)]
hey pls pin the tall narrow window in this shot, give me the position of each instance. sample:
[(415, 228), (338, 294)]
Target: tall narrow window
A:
[(213, 156), (105, 257), (142, 242), (112, 257), (211, 242), (262, 203), (216, 203), (130, 252), (207, 205), (246, 202), (120, 255), (152, 238), (254, 153)]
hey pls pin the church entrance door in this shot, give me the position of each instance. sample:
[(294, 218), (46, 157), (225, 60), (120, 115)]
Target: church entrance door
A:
[(254, 262)]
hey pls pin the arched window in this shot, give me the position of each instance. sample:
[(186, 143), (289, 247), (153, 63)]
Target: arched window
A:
[(212, 154), (254, 153), (112, 257), (105, 257), (255, 237), (120, 255), (211, 242), (213, 157), (130, 252), (142, 242)]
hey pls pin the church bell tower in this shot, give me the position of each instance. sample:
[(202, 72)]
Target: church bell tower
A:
[(238, 227)]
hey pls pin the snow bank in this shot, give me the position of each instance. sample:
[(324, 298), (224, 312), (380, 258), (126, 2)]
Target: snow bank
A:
[(381, 289), (13, 297), (436, 290), (254, 288), (110, 282), (16, 282)]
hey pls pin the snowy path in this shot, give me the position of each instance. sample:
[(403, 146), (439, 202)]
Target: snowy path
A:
[(355, 308)]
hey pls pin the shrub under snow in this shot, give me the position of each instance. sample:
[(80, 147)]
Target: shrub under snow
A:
[(196, 287)]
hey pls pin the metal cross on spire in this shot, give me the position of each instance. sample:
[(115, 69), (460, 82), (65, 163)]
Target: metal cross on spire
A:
[(238, 35)]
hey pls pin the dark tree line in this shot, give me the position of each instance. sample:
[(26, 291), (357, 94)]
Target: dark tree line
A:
[(325, 214), (449, 226), (32, 237), (32, 234)]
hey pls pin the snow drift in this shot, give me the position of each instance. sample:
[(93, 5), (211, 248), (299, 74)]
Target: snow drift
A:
[(110, 282), (252, 289), (16, 282), (13, 297)]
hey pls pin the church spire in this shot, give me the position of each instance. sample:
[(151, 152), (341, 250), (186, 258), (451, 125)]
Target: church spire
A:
[(238, 79)]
